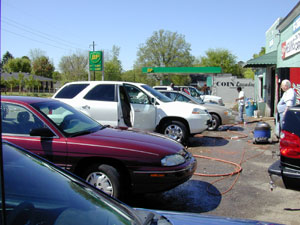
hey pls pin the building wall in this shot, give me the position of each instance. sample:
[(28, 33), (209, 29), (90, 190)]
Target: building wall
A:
[(225, 86), (272, 37)]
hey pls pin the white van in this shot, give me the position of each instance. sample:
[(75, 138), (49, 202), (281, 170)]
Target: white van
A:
[(135, 105)]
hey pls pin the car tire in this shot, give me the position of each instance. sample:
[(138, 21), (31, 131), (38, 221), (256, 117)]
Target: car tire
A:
[(215, 122), (104, 177), (175, 130)]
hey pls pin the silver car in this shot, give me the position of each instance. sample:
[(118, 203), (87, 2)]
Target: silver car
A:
[(220, 114)]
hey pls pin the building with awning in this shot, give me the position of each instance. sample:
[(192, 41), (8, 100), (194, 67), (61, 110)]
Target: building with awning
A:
[(281, 61)]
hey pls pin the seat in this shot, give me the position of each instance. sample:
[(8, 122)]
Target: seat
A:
[(24, 125)]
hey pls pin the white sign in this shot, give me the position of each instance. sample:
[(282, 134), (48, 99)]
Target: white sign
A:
[(291, 46), (296, 24)]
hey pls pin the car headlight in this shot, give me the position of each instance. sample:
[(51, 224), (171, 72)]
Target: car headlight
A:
[(172, 160), (198, 111)]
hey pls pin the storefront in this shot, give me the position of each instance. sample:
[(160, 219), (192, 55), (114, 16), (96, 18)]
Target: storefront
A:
[(281, 61)]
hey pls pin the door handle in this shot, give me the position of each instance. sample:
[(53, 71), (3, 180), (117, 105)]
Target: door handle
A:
[(86, 107)]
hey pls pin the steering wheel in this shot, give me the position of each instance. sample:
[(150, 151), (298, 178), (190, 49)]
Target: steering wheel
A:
[(22, 214)]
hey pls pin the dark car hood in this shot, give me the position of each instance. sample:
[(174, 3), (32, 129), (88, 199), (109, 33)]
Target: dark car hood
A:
[(179, 218), (132, 139)]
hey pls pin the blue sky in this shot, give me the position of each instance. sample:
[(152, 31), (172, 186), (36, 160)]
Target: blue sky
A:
[(63, 27)]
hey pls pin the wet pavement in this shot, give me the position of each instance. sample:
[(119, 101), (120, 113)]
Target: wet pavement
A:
[(245, 194)]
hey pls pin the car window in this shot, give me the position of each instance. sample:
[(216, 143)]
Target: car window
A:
[(292, 121), (136, 95), (182, 98), (157, 94), (102, 92), (71, 90), (17, 119), (39, 193), (67, 119)]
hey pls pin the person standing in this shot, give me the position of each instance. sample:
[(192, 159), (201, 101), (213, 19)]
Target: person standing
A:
[(287, 100), (172, 86), (241, 103)]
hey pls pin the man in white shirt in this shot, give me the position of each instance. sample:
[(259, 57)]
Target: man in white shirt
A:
[(287, 100), (241, 103)]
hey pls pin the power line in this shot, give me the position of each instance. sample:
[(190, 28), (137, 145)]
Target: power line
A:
[(38, 33), (34, 39)]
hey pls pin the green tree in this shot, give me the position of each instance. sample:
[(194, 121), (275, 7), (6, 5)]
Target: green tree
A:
[(262, 52), (43, 67), (249, 73), (222, 58), (30, 82), (5, 58), (74, 67), (3, 83), (136, 75), (20, 81), (165, 49), (17, 65), (112, 65), (12, 82)]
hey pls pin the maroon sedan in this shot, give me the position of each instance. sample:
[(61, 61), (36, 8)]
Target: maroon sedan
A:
[(116, 161)]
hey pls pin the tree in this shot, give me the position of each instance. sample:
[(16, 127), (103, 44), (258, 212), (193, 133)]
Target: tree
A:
[(74, 67), (17, 65), (262, 52), (20, 81), (165, 49), (36, 53), (30, 82), (43, 67), (6, 57), (112, 65), (12, 82), (222, 58), (249, 73)]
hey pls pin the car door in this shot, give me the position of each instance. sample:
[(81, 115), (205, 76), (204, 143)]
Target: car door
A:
[(144, 112), (101, 103), (17, 123)]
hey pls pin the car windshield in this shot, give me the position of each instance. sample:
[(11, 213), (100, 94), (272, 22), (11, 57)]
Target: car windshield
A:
[(36, 192), (68, 120), (157, 94)]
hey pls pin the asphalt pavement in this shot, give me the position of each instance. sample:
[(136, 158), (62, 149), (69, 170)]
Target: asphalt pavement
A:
[(231, 179)]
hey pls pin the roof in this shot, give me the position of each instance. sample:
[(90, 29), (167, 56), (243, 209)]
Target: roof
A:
[(289, 18), (26, 75), (263, 61)]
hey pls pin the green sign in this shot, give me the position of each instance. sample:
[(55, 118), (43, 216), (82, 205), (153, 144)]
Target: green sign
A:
[(95, 61), (182, 70)]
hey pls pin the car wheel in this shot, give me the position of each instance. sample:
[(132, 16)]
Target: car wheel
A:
[(215, 122), (104, 177), (175, 130)]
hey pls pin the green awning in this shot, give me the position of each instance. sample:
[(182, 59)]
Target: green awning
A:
[(263, 61)]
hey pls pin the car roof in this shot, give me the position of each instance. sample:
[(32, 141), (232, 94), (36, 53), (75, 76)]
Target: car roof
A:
[(103, 82), (25, 99)]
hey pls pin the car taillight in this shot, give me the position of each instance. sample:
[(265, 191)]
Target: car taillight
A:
[(289, 145)]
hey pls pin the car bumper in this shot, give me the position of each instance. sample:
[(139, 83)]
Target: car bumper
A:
[(284, 177), (199, 123), (157, 181)]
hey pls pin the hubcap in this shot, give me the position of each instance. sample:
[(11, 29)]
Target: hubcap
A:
[(175, 132), (101, 181)]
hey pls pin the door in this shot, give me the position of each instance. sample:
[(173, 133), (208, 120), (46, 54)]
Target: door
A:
[(143, 113), (17, 123), (101, 104)]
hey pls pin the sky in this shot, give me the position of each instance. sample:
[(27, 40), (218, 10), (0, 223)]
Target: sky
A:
[(63, 27)]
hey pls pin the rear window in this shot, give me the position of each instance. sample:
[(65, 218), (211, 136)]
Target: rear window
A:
[(70, 91), (292, 120)]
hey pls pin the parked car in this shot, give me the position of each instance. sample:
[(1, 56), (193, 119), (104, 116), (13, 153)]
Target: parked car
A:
[(135, 105), (38, 192), (220, 114), (117, 161), (285, 172), (195, 93)]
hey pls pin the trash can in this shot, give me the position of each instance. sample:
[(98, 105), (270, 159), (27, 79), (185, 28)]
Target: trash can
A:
[(249, 110), (262, 133)]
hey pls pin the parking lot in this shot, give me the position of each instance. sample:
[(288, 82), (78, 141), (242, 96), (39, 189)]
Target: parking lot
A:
[(246, 194)]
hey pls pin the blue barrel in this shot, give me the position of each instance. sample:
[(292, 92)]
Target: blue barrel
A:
[(249, 110)]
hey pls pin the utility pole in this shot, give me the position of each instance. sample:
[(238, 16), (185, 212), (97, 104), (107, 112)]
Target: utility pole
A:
[(94, 70)]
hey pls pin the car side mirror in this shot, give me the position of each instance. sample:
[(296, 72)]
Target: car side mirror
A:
[(42, 132), (153, 101)]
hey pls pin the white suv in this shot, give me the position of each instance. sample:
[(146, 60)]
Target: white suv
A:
[(135, 105)]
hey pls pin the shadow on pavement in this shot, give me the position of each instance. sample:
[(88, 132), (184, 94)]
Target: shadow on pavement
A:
[(191, 196), (207, 141)]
